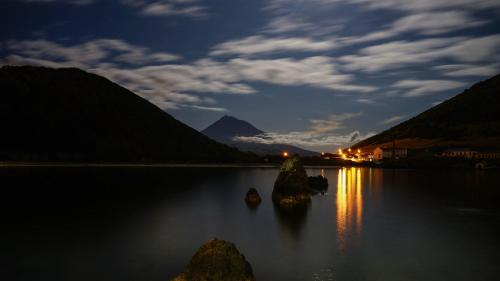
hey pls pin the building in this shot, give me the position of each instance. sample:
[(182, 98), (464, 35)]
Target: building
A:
[(487, 155), (459, 152), (381, 153), (469, 154)]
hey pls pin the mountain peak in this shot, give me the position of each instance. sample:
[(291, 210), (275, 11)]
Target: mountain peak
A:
[(228, 127)]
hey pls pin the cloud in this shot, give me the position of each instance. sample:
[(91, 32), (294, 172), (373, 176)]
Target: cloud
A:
[(307, 140), (259, 44), (425, 87), (398, 54), (75, 2), (400, 5), (287, 23), (190, 8), (317, 71), (332, 123), (155, 76), (392, 119), (208, 108), (463, 70), (367, 101), (319, 136), (425, 5), (88, 53), (427, 23)]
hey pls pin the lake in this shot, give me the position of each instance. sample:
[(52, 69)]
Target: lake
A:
[(145, 223)]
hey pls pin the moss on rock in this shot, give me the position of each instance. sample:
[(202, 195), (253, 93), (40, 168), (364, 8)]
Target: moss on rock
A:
[(217, 260), (292, 186)]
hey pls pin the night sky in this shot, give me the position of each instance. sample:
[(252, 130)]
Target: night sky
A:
[(315, 73)]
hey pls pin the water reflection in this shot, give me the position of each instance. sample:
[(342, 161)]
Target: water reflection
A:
[(292, 220), (349, 204)]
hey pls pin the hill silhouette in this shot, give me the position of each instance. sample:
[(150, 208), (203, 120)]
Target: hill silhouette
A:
[(70, 115), (470, 119)]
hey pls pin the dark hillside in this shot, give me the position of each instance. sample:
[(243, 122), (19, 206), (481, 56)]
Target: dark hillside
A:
[(71, 115)]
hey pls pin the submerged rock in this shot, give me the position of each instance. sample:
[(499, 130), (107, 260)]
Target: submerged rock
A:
[(292, 186), (318, 183), (217, 260), (253, 197)]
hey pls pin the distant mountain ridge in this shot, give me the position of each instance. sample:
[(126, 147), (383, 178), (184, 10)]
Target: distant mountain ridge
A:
[(69, 115), (470, 119), (227, 128)]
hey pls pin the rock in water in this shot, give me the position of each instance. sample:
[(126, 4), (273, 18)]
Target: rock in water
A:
[(217, 260), (318, 183), (253, 197), (292, 186)]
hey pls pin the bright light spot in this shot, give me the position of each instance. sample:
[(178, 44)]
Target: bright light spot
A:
[(285, 154)]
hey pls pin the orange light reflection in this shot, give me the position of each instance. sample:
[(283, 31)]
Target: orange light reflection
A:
[(349, 204)]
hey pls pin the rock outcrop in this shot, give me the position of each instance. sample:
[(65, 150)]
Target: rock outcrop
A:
[(217, 260), (253, 197), (291, 187)]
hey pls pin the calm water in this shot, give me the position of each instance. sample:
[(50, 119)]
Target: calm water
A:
[(145, 224)]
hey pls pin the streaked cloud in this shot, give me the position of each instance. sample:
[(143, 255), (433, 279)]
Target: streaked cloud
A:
[(392, 119), (190, 8), (88, 53), (75, 2), (463, 70), (417, 88), (398, 54), (400, 5), (365, 101), (208, 108), (429, 23), (154, 76), (321, 134), (309, 141), (260, 44), (332, 123)]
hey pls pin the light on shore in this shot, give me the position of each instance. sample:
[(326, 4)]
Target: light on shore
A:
[(285, 154)]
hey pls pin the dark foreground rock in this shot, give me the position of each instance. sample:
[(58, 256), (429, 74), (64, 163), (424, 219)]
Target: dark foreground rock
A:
[(318, 184), (217, 260), (291, 187), (253, 197)]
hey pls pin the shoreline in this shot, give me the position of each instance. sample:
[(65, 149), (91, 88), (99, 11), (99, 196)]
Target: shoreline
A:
[(147, 165)]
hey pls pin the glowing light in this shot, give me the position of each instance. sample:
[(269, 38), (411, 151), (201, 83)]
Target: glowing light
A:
[(359, 150), (349, 150), (285, 154), (340, 151)]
